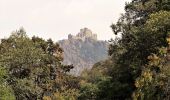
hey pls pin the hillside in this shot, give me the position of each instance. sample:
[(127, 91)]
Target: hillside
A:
[(83, 50)]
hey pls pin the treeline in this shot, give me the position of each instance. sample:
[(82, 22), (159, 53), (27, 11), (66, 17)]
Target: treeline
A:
[(31, 69), (138, 67)]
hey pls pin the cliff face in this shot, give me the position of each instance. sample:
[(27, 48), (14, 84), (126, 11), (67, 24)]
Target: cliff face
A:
[(83, 50)]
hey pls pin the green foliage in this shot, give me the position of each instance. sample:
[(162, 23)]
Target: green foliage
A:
[(67, 88), (154, 79), (31, 63), (6, 93), (93, 82), (88, 91), (66, 94), (138, 67), (152, 83), (144, 29)]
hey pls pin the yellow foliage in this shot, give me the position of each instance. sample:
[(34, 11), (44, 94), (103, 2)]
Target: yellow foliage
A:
[(47, 98), (168, 40), (58, 96)]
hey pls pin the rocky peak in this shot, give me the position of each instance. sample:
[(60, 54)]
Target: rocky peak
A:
[(84, 34), (83, 50)]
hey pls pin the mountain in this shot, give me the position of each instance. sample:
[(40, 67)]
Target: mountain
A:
[(83, 50)]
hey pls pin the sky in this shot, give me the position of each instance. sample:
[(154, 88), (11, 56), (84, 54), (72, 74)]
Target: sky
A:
[(57, 18)]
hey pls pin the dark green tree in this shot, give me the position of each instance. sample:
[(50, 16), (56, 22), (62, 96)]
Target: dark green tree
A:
[(32, 64), (143, 28)]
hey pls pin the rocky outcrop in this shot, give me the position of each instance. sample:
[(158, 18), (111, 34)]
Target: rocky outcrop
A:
[(83, 50), (83, 35)]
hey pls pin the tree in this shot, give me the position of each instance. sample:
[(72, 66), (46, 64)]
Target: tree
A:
[(6, 93), (143, 28), (93, 82), (32, 64)]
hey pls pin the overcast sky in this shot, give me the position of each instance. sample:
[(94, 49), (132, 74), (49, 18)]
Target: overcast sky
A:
[(57, 18)]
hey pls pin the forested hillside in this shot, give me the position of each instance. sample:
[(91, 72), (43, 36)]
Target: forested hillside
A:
[(138, 66)]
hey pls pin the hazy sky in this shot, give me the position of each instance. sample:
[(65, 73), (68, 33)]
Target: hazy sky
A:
[(57, 18)]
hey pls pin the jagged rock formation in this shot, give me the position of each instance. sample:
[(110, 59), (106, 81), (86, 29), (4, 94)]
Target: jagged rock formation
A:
[(83, 50), (83, 35)]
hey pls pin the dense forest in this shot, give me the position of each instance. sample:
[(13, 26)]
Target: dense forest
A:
[(138, 66)]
